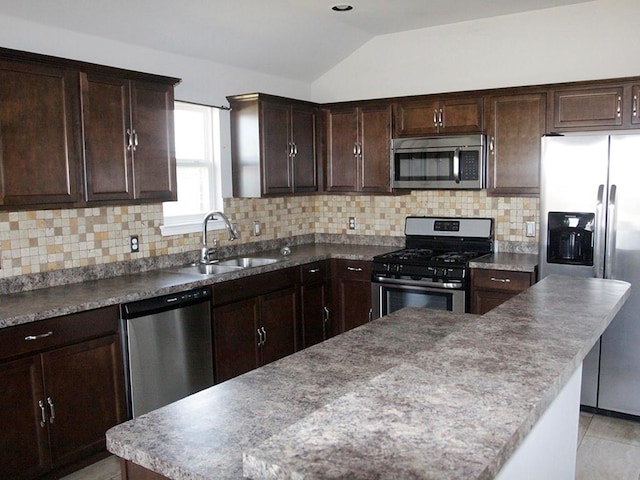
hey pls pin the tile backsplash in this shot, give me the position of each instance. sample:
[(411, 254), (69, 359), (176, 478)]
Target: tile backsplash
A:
[(46, 240)]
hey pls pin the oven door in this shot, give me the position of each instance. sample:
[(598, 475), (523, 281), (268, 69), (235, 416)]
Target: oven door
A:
[(388, 297)]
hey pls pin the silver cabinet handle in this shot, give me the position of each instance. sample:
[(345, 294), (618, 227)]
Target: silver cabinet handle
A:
[(354, 269), (501, 280), (370, 314), (135, 140), (325, 322), (619, 108), (260, 342), (441, 118), (289, 149), (295, 149), (53, 410), (435, 118), (355, 149), (264, 337), (313, 270), (43, 414), (129, 140), (30, 338), (635, 105), (492, 145)]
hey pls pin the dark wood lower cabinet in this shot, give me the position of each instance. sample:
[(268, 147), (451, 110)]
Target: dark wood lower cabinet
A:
[(315, 301), (351, 285), (490, 288), (58, 401), (254, 322)]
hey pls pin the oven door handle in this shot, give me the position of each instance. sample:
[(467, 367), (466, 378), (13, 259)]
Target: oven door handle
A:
[(417, 283)]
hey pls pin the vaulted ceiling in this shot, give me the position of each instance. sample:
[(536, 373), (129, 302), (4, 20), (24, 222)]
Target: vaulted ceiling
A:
[(296, 39)]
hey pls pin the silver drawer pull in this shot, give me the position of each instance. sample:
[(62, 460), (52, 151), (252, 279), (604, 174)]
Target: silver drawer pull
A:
[(29, 338), (354, 269), (501, 280), (313, 270)]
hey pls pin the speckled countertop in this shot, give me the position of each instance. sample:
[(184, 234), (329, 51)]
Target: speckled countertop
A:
[(33, 305), (516, 262), (417, 394)]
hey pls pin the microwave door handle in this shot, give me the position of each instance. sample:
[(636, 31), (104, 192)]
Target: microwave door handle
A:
[(456, 165), (598, 262), (611, 231)]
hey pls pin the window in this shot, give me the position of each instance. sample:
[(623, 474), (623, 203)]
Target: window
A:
[(197, 130)]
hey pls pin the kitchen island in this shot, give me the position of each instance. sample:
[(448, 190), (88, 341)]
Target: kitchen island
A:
[(416, 394)]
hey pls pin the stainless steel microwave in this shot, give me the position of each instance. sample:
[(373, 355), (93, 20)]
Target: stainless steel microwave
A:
[(451, 163)]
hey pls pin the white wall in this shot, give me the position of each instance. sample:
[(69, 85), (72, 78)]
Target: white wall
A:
[(587, 41)]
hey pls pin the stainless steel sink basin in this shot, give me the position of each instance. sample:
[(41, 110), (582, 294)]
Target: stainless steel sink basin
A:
[(246, 262), (205, 269)]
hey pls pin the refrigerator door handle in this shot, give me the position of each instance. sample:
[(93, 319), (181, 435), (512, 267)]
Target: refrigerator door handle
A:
[(611, 231), (598, 263)]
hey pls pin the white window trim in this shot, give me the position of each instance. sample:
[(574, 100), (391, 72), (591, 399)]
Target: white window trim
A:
[(184, 224)]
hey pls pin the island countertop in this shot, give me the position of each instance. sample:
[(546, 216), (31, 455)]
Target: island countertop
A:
[(416, 394)]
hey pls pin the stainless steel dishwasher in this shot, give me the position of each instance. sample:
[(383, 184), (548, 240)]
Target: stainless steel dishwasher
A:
[(168, 348)]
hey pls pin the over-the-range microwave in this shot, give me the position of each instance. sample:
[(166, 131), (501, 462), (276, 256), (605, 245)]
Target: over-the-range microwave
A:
[(453, 162)]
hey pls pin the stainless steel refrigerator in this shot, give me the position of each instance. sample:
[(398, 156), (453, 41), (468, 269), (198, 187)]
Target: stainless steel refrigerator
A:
[(590, 226)]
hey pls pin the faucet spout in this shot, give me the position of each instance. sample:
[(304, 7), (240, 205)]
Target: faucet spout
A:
[(205, 251)]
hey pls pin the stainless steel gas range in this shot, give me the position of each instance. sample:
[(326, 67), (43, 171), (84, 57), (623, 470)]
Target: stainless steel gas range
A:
[(433, 270)]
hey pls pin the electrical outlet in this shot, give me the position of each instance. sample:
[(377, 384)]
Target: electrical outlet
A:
[(134, 243), (352, 223), (257, 228)]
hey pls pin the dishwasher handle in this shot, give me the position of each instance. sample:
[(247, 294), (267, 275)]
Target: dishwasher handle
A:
[(164, 303)]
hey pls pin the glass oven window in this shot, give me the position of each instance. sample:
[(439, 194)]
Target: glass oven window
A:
[(395, 299), (424, 166)]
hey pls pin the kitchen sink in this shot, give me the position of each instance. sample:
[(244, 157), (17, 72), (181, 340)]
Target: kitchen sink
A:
[(246, 262), (224, 266)]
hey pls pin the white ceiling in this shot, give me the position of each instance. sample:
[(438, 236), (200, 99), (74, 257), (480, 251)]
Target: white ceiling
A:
[(296, 39)]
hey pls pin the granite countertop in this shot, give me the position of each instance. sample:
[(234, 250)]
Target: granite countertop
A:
[(416, 394), (516, 262), (40, 304)]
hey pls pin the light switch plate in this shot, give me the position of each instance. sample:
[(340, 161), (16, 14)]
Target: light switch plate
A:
[(530, 229)]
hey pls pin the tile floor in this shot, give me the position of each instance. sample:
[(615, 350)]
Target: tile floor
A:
[(608, 449)]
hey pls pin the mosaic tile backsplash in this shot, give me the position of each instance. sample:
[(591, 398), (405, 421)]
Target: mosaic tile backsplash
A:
[(46, 240)]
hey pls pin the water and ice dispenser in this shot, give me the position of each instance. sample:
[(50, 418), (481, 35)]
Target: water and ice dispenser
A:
[(570, 238)]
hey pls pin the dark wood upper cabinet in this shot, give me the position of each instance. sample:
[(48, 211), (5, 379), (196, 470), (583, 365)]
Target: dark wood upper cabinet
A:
[(582, 108), (73, 133), (436, 115), (515, 127), (273, 146), (39, 135), (358, 149), (128, 137)]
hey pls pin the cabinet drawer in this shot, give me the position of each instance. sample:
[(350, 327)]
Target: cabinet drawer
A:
[(315, 272), (54, 332), (352, 269), (501, 280), (253, 286)]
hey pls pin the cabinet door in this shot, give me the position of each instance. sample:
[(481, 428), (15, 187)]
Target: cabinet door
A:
[(342, 134), (24, 444), (462, 115), (277, 319), (592, 107), (154, 144), (235, 339), (352, 293), (515, 127), (84, 393), (39, 135), (635, 104), (106, 118), (305, 166), (276, 148), (375, 149), (416, 118)]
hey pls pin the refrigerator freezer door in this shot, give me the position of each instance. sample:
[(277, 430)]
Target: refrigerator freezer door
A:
[(574, 170), (620, 357)]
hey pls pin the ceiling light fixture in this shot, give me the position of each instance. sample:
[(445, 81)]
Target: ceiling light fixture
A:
[(342, 7)]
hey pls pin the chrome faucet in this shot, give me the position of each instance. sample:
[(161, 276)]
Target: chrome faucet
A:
[(205, 251)]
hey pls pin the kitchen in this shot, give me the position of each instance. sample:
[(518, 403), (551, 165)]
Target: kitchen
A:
[(291, 216)]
